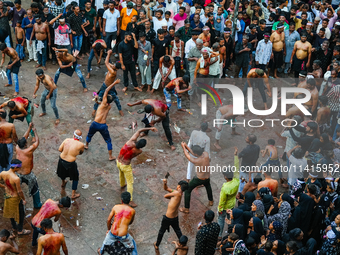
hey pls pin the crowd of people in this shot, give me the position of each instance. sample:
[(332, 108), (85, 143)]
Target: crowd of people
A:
[(173, 44)]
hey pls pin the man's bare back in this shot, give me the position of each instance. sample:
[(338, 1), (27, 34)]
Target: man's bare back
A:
[(7, 133), (6, 247), (123, 216), (323, 115), (51, 243), (70, 149), (269, 183), (12, 183), (102, 112)]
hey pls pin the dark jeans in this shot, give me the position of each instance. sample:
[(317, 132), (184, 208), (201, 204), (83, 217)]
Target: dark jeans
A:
[(103, 130), (110, 36), (19, 226), (132, 69), (258, 83), (155, 67), (42, 57), (244, 71), (112, 92), (334, 120), (193, 184), (261, 66), (165, 225), (36, 232)]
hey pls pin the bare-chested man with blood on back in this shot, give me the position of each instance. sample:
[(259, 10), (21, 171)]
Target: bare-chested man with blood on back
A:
[(14, 198), (123, 216), (7, 136), (130, 150), (25, 154), (51, 241), (171, 216), (99, 123), (157, 108), (6, 247), (49, 210), (67, 166)]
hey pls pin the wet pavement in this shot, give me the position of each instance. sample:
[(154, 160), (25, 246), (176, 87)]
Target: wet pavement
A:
[(95, 169)]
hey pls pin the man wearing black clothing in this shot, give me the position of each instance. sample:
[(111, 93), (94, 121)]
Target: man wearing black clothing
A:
[(261, 30), (125, 50), (305, 140), (159, 49), (149, 32), (229, 45), (100, 13), (76, 22), (47, 17), (324, 54), (319, 38)]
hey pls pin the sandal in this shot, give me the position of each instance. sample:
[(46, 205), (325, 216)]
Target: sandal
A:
[(24, 232)]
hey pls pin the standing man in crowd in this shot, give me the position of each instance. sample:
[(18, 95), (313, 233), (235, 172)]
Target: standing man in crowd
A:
[(77, 28), (279, 49), (63, 38), (111, 24), (263, 52), (301, 55), (291, 37), (27, 24)]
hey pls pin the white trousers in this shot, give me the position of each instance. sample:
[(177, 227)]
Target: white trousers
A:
[(158, 76), (32, 52)]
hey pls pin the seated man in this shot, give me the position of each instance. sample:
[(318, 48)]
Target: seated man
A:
[(6, 247)]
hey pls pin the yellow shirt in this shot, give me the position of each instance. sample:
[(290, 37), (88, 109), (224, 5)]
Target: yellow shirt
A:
[(126, 19)]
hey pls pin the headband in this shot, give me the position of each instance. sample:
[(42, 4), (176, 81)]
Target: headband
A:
[(314, 176), (281, 26), (16, 165), (329, 178), (266, 36), (302, 75), (300, 181), (227, 32), (77, 136), (206, 29)]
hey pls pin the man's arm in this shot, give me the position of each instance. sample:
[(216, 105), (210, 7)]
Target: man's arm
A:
[(289, 153), (19, 190), (3, 59), (13, 249), (23, 112), (14, 134), (293, 52), (61, 147), (37, 83), (35, 145), (40, 248), (186, 151), (166, 188), (136, 103), (137, 134), (30, 126), (135, 41), (104, 101), (55, 19), (63, 245), (107, 61), (315, 102), (108, 222), (32, 34), (309, 55)]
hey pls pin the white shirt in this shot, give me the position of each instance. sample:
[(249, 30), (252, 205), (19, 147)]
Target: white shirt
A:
[(157, 24), (203, 19), (123, 4), (263, 52), (201, 139), (327, 32), (188, 46), (67, 2), (171, 6), (111, 20), (99, 4), (169, 22)]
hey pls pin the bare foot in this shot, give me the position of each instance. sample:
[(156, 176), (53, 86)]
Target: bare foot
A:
[(8, 85), (112, 158), (86, 146), (132, 204), (123, 187), (152, 91), (88, 76), (63, 184), (124, 89), (75, 195), (217, 146), (36, 105), (85, 89), (121, 113), (139, 89), (142, 87), (38, 65), (156, 248), (79, 58), (184, 210), (211, 203), (275, 76), (42, 114), (173, 148), (15, 93), (24, 232), (57, 121), (44, 68), (98, 251), (234, 133)]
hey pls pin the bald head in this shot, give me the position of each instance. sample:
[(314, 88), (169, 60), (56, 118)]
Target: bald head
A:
[(78, 132)]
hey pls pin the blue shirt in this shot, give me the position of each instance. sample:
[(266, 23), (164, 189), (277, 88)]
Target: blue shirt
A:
[(29, 30), (189, 2), (193, 25)]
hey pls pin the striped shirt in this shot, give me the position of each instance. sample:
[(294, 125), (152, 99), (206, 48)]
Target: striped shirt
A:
[(55, 10), (334, 98)]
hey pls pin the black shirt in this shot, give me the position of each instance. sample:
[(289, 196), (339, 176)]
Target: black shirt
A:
[(260, 33), (160, 48), (76, 22), (318, 41), (127, 50), (206, 239), (250, 155), (252, 37), (100, 14), (150, 35), (242, 59), (325, 59)]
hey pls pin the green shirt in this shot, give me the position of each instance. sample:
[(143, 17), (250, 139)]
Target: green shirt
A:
[(229, 189), (185, 35), (90, 15), (286, 26)]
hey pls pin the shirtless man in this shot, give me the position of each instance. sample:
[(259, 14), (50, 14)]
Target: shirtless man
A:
[(272, 184), (324, 114), (123, 216), (51, 241), (130, 150), (166, 69), (25, 154), (261, 78), (223, 55), (109, 79), (279, 48), (49, 210), (310, 85), (157, 108), (171, 216), (97, 50), (317, 73), (67, 166), (68, 65), (204, 72), (201, 161), (205, 36), (20, 108), (176, 87), (273, 159), (8, 134), (6, 247), (99, 123), (50, 92), (42, 34), (301, 54), (12, 67), (14, 198), (224, 113)]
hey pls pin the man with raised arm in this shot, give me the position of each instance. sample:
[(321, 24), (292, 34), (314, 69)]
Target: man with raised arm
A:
[(201, 160), (12, 67), (130, 150), (152, 109), (67, 166), (171, 216), (67, 65), (25, 154), (99, 123), (109, 79), (14, 198), (7, 136), (49, 210), (97, 50), (50, 92), (20, 108), (117, 231), (51, 241)]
